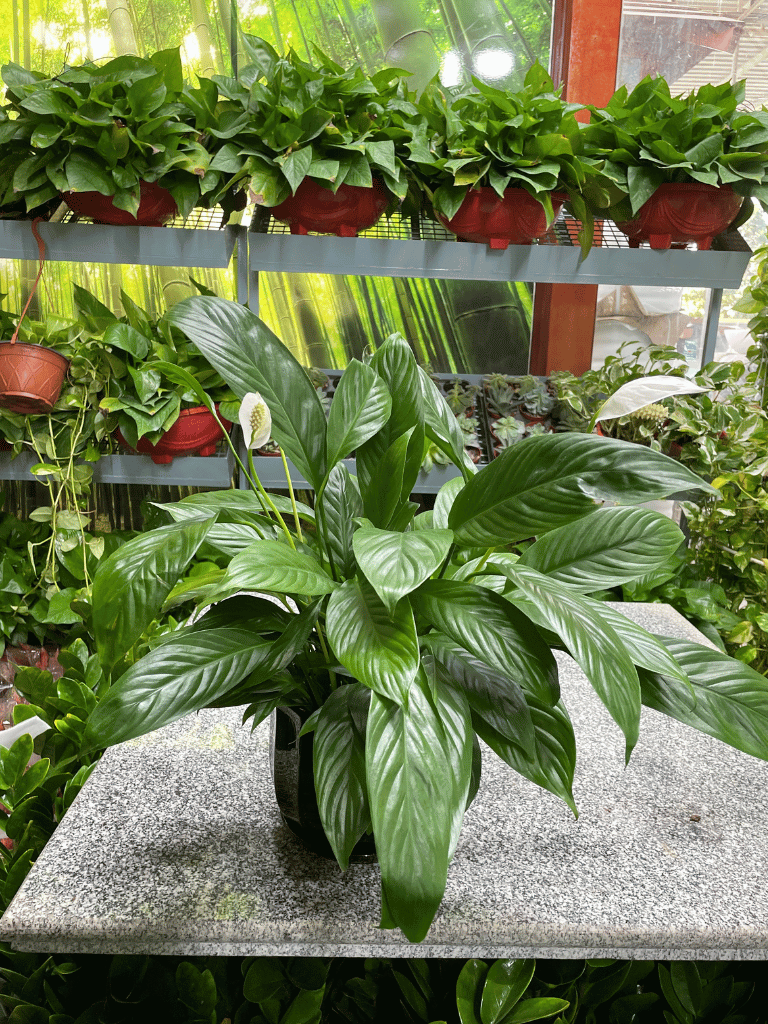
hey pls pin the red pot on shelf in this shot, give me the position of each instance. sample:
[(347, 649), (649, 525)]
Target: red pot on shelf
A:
[(485, 217), (346, 212), (195, 431), (156, 206), (31, 377), (677, 214)]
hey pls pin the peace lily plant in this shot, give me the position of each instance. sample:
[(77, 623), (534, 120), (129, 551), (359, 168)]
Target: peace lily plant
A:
[(406, 638)]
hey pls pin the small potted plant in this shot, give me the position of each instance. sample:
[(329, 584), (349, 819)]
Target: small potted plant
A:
[(461, 397), (506, 430), (502, 397), (497, 166), (151, 412), (389, 648), (319, 144), (536, 401), (122, 142), (681, 166)]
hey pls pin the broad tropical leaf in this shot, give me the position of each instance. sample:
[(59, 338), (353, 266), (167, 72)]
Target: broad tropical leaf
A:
[(251, 358), (383, 491), (271, 565), (731, 698), (380, 650), (492, 630), (176, 678), (130, 586), (645, 649), (231, 504), (493, 698), (442, 427), (397, 563), (361, 406), (339, 765), (610, 547), (594, 645), (550, 480), (418, 768), (469, 988), (444, 501), (339, 505), (505, 983)]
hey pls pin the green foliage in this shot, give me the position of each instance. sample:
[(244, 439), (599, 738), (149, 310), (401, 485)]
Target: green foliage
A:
[(398, 604), (106, 128), (284, 119), (647, 136)]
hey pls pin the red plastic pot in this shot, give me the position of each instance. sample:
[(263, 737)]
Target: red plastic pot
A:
[(677, 214), (485, 217), (195, 431), (156, 206), (31, 377), (344, 213)]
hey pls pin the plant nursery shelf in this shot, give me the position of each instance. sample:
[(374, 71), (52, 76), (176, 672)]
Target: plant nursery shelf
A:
[(175, 846), (401, 247), (186, 471), (198, 241)]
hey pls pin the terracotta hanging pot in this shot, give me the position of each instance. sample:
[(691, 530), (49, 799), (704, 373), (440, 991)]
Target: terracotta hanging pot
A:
[(485, 217), (194, 432), (677, 214), (156, 206), (31, 376), (345, 213)]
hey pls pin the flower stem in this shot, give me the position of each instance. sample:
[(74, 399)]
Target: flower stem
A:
[(293, 497), (266, 498)]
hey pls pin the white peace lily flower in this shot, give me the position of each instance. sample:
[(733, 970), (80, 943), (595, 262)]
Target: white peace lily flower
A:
[(255, 420)]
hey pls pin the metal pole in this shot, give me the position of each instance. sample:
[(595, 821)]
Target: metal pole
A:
[(712, 324)]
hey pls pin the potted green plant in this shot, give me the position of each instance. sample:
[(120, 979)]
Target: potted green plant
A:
[(151, 412), (680, 166), (320, 145), (506, 430), (124, 142), (497, 166), (388, 640)]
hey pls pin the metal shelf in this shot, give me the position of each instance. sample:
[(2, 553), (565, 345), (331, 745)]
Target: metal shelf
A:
[(422, 248), (186, 471), (198, 241)]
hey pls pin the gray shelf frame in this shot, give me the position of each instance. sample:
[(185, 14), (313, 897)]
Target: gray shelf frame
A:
[(101, 243), (558, 261), (215, 471)]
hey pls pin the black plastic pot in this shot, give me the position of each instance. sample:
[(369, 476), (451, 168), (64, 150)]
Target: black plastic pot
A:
[(293, 776)]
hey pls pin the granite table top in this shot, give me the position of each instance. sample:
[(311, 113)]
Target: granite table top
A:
[(175, 846)]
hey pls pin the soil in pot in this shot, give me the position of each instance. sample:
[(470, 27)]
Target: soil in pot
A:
[(677, 214), (194, 432), (156, 206), (294, 779), (517, 218), (346, 212), (31, 377)]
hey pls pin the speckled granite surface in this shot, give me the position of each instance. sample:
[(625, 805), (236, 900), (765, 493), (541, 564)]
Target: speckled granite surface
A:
[(175, 846)]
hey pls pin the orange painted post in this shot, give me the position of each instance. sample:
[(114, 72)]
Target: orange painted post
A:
[(585, 50)]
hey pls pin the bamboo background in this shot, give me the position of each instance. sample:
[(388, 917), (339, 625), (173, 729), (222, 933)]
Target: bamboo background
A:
[(325, 320)]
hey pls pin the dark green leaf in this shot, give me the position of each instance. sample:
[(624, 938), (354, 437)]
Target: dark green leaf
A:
[(397, 563), (272, 565), (361, 406), (418, 766), (339, 506), (468, 990), (505, 983)]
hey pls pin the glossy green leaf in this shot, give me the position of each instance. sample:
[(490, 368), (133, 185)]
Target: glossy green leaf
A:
[(339, 766), (550, 480), (469, 987), (505, 983), (731, 698), (130, 586), (610, 547), (174, 679), (645, 649), (442, 427), (492, 630), (594, 645), (361, 406), (84, 174), (382, 491), (250, 358), (418, 767), (397, 563), (339, 506), (272, 565), (536, 1009), (444, 501), (493, 698), (380, 650)]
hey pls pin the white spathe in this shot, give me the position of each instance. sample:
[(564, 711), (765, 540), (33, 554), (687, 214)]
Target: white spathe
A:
[(645, 391), (255, 420)]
